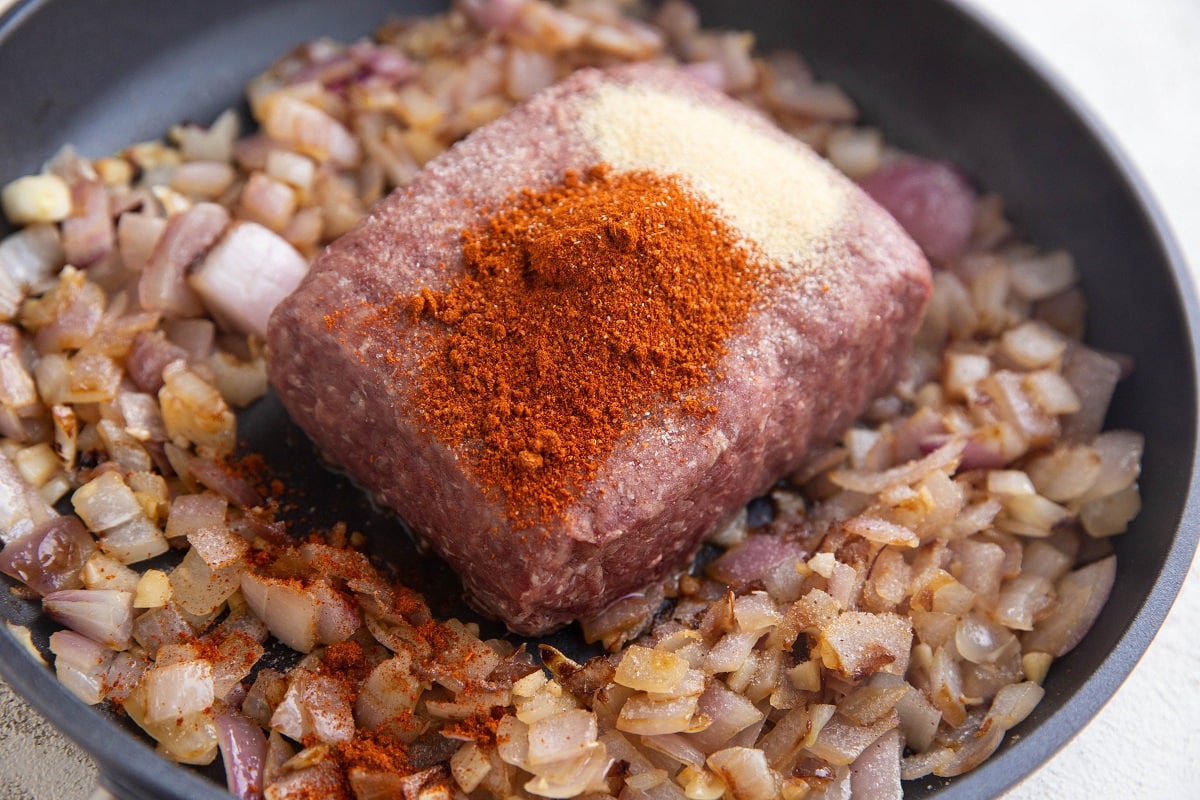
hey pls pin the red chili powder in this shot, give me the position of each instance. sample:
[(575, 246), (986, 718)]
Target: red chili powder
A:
[(584, 310)]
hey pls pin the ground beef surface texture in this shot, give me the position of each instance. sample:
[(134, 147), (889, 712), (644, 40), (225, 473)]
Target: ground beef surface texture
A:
[(831, 334)]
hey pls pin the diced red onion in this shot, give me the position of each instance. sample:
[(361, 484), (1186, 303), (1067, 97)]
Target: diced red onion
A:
[(385, 63), (178, 690), (315, 705), (337, 615), (979, 640), (102, 615), (930, 199), (858, 643), (268, 201), (194, 410), (81, 665), (214, 143), (754, 558), (22, 509), (124, 674), (1081, 597), (1043, 276), (251, 152), (246, 274), (622, 620), (495, 14), (200, 589), (730, 713), (151, 352), (196, 336), (225, 482), (1094, 377), (218, 546), (243, 753), (391, 690), (187, 236), (30, 257), (156, 627), (746, 772), (88, 235), (1120, 455), (875, 774), (288, 609), (191, 512), (203, 179), (308, 129), (50, 558), (946, 455)]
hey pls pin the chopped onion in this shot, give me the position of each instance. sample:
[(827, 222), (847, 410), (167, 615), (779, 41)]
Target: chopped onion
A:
[(566, 735), (194, 410), (51, 557), (268, 201), (754, 558), (1081, 596), (746, 772), (22, 509), (390, 691), (648, 670), (649, 716), (149, 354), (1094, 377), (729, 714), (931, 199), (308, 129), (109, 508), (315, 705), (191, 512), (160, 626), (243, 753), (857, 644), (875, 774), (214, 143), (200, 589), (88, 234), (288, 609), (103, 615), (177, 690), (187, 236), (203, 180), (945, 456), (246, 274), (81, 664)]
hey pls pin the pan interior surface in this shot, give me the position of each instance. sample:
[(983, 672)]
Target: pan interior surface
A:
[(930, 76)]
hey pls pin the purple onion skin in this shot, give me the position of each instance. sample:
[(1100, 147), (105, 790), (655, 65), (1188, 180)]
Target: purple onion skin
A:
[(243, 752), (51, 558), (931, 200)]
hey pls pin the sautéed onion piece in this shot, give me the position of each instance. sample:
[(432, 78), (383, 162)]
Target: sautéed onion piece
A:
[(888, 612)]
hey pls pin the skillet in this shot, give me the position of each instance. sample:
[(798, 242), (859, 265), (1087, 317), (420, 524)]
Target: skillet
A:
[(937, 81)]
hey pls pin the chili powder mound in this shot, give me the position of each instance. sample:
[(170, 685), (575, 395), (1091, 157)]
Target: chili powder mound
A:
[(583, 309)]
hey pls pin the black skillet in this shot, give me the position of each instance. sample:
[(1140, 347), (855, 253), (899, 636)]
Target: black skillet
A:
[(101, 75)]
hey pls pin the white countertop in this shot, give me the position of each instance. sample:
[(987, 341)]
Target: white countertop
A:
[(1136, 65)]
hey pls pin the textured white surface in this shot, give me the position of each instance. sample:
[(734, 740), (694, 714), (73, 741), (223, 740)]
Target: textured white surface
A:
[(1136, 65)]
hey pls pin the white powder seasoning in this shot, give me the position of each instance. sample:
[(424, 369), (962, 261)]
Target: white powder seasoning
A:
[(782, 197)]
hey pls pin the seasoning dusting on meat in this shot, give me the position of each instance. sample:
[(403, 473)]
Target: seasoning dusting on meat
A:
[(819, 295)]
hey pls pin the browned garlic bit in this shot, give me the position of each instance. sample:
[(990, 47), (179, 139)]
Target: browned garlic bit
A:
[(893, 617)]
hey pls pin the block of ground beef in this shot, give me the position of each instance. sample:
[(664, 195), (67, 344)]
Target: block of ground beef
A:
[(584, 337)]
